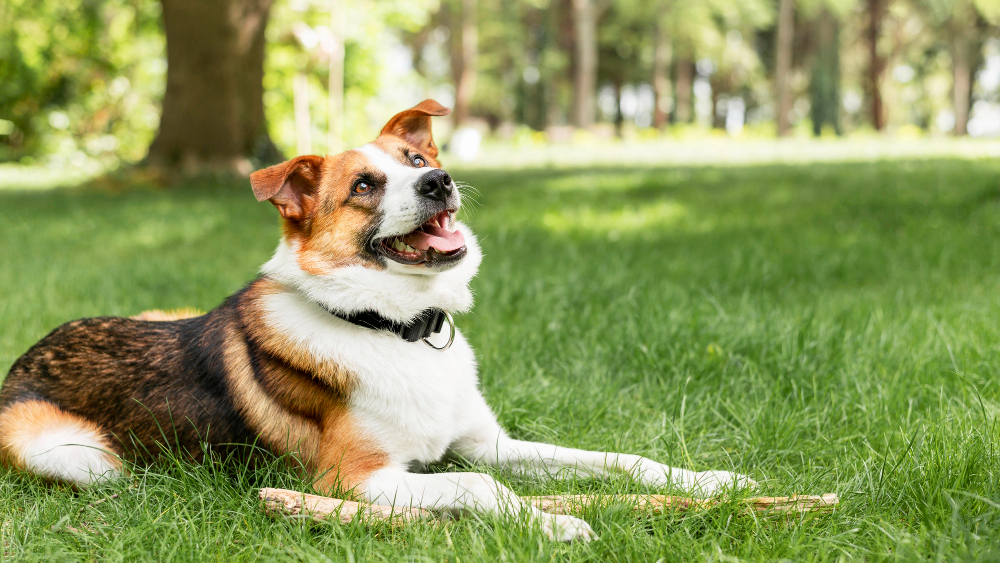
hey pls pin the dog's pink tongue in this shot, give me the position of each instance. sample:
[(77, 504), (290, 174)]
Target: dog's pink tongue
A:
[(437, 238)]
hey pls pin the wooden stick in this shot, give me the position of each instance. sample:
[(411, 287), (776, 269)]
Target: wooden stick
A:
[(570, 504), (294, 503)]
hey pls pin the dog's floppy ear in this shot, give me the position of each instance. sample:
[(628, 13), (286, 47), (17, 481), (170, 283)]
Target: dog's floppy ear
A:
[(290, 186), (414, 125)]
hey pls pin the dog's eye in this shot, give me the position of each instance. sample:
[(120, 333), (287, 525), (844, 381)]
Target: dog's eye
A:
[(361, 187), (419, 161)]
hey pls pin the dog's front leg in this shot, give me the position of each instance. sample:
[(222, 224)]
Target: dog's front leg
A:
[(465, 491), (491, 445)]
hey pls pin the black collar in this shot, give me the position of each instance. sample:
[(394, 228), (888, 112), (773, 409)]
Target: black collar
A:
[(427, 323)]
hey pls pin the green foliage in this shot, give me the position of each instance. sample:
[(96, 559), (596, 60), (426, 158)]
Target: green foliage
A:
[(80, 77), (822, 326), (299, 41), (81, 80)]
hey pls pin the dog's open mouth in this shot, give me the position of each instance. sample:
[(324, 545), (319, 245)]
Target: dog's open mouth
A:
[(436, 241)]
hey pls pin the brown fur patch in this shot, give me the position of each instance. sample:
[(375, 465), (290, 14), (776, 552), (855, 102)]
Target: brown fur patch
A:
[(337, 235), (281, 430), (25, 421), (313, 392), (281, 346), (161, 315), (203, 379), (414, 126), (350, 456)]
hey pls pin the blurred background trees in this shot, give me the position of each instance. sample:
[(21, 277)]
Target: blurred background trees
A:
[(236, 83)]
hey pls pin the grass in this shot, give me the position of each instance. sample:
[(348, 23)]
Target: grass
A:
[(824, 327)]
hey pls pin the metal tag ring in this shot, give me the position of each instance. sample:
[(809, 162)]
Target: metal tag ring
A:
[(451, 337)]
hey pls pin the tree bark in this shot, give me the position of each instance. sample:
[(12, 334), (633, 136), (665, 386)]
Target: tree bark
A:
[(585, 67), (824, 85), (661, 75), (683, 112), (783, 64), (619, 116), (876, 64), (964, 44), (464, 54), (961, 93), (213, 108)]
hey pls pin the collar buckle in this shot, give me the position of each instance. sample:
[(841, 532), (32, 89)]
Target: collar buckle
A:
[(442, 316)]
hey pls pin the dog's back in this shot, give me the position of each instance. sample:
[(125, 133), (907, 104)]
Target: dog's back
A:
[(96, 389), (118, 385)]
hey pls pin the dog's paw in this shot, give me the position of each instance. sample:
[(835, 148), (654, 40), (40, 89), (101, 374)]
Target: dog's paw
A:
[(560, 527), (710, 483)]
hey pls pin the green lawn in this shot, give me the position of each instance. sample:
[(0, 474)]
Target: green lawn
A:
[(823, 327)]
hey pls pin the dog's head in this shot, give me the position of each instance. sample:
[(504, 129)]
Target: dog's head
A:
[(374, 227), (387, 205)]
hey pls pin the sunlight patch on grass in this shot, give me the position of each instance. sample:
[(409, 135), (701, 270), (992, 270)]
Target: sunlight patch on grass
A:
[(724, 151), (158, 232), (657, 216), (604, 182), (15, 176)]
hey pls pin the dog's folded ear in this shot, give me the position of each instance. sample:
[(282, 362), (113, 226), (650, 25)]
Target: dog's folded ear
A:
[(414, 125), (290, 186)]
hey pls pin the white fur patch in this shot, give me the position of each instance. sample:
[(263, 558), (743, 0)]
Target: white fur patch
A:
[(69, 453), (401, 207), (411, 399)]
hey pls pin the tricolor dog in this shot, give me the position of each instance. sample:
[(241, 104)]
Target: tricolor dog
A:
[(342, 352)]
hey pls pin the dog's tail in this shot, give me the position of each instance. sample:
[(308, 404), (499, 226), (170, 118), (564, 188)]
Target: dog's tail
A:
[(39, 437), (168, 315)]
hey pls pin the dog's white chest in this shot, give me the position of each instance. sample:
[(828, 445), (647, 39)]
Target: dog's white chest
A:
[(414, 400), (411, 400)]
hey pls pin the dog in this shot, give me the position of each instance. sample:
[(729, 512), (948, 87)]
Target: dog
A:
[(342, 352)]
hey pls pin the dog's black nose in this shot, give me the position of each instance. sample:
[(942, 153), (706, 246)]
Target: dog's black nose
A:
[(435, 184)]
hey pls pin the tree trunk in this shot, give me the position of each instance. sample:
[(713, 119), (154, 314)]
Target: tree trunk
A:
[(965, 49), (876, 63), (684, 85), (824, 85), (303, 121), (213, 108), (962, 90), (661, 75), (619, 116), (783, 64), (585, 67), (464, 52), (335, 87)]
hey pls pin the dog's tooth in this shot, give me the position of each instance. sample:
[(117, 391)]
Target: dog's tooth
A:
[(410, 248), (398, 245)]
